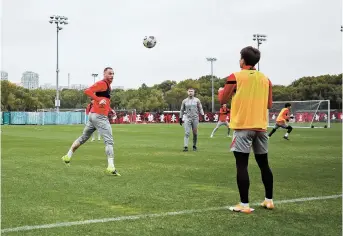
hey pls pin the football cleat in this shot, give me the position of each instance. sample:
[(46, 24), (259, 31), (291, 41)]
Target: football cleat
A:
[(240, 208), (66, 160), (268, 204), (112, 171), (185, 149)]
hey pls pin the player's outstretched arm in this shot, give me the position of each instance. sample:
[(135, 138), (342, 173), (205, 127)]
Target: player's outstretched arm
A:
[(270, 95), (97, 87), (225, 94)]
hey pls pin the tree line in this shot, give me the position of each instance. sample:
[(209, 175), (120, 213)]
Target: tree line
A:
[(167, 95)]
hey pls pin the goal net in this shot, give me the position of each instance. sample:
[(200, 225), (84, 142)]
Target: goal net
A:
[(63, 117), (307, 114)]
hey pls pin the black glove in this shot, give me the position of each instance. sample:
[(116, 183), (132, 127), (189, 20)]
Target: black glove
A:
[(180, 119), (292, 117), (287, 120)]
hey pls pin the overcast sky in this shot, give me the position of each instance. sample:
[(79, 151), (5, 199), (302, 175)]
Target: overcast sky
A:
[(304, 38)]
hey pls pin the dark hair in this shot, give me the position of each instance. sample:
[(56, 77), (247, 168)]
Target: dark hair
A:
[(250, 55), (288, 105), (190, 88), (108, 68)]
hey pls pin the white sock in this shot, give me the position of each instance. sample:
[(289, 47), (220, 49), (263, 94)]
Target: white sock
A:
[(286, 135), (268, 199), (110, 162), (70, 153), (244, 204)]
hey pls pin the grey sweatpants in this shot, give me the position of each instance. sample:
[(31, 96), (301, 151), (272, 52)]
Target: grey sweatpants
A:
[(191, 124), (220, 123), (100, 123)]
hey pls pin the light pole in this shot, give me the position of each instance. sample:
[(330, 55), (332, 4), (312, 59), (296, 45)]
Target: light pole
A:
[(94, 76), (58, 20), (259, 38), (212, 59)]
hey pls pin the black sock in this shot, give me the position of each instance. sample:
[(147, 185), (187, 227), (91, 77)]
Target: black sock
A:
[(228, 131), (271, 132), (243, 181), (266, 174), (289, 129)]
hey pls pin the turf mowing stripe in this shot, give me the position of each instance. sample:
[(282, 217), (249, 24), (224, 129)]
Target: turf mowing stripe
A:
[(137, 217)]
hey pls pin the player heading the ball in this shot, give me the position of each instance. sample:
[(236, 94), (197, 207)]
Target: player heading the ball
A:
[(100, 92)]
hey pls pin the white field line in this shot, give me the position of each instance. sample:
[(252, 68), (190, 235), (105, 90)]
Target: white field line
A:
[(137, 217)]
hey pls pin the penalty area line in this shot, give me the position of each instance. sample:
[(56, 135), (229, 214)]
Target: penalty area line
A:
[(137, 217)]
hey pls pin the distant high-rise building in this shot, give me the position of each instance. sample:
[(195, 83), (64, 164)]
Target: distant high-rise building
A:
[(78, 86), (4, 75), (30, 80)]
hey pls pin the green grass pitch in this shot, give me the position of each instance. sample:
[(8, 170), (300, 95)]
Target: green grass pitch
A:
[(157, 177)]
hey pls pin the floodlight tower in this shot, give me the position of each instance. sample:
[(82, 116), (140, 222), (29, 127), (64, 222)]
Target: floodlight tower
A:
[(212, 59), (58, 20), (259, 38)]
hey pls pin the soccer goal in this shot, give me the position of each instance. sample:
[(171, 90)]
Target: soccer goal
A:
[(63, 117), (307, 114)]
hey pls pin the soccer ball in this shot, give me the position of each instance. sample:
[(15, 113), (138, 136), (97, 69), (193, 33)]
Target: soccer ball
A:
[(149, 41)]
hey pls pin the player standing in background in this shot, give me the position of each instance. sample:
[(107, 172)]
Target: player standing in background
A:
[(248, 119), (222, 120), (281, 121), (112, 115), (100, 92), (88, 109), (191, 107)]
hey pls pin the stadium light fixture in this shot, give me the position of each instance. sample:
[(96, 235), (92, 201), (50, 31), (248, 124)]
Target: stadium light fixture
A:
[(212, 59), (259, 38), (58, 20), (94, 76)]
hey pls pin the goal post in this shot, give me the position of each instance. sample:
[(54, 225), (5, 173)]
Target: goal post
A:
[(307, 114)]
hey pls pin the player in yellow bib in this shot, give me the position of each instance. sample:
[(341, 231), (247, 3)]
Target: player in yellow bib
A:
[(251, 93)]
